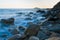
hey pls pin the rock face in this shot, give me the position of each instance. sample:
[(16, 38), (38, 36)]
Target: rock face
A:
[(54, 12), (57, 6)]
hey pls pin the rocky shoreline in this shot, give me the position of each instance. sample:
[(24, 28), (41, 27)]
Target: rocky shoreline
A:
[(48, 29)]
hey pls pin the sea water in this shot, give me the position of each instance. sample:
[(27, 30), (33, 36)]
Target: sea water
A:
[(20, 19)]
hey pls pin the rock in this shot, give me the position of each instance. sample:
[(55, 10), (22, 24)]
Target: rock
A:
[(4, 35), (32, 30), (40, 11), (15, 31), (21, 28), (55, 11), (53, 38), (28, 18), (14, 37), (33, 38), (57, 6), (9, 21), (55, 28), (20, 13), (53, 34), (43, 34), (30, 12)]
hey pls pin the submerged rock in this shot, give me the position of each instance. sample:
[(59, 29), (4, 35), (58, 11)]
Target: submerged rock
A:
[(15, 31), (30, 12), (28, 18)]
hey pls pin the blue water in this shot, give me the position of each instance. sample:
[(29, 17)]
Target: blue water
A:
[(20, 19)]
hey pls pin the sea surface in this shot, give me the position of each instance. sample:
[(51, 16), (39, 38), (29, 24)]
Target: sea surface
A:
[(22, 18)]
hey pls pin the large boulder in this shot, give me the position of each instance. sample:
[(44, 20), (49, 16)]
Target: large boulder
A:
[(32, 30)]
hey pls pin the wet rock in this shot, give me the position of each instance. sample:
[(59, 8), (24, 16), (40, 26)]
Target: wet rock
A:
[(32, 30), (55, 28), (21, 28), (43, 34), (14, 37), (53, 38), (57, 6), (40, 11), (4, 35), (9, 21), (28, 18), (15, 31), (33, 38), (30, 12), (19, 13)]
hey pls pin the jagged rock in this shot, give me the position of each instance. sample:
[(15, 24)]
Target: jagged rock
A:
[(32, 30), (14, 31), (9, 21), (57, 6), (33, 38), (55, 11)]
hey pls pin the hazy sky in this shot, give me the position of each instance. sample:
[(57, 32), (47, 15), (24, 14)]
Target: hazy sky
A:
[(27, 3)]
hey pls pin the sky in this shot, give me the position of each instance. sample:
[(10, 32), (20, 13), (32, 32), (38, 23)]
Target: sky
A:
[(27, 3)]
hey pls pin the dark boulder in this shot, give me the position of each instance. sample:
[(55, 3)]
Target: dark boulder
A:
[(28, 18), (20, 13), (15, 37), (32, 30), (15, 31), (9, 21), (30, 12)]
